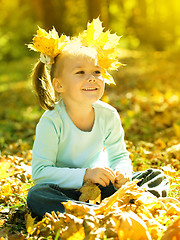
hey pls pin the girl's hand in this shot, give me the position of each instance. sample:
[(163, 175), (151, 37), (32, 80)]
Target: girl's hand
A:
[(121, 179), (103, 176)]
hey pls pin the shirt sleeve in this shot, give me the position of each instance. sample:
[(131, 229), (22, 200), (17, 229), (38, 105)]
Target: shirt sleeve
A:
[(118, 156), (44, 169)]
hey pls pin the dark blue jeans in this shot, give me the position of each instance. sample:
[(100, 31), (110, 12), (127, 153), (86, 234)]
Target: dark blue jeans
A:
[(47, 197)]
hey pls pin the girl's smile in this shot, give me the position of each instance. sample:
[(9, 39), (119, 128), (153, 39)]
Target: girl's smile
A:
[(90, 89), (80, 80)]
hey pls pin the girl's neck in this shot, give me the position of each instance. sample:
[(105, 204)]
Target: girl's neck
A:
[(82, 116)]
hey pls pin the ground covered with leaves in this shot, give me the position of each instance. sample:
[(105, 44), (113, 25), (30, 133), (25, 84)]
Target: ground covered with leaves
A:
[(147, 96)]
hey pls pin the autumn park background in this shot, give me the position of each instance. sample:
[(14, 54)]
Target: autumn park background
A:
[(146, 95)]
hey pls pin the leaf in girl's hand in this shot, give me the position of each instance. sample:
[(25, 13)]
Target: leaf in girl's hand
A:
[(89, 191)]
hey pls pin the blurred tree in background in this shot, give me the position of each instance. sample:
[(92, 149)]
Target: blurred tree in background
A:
[(17, 23), (142, 23)]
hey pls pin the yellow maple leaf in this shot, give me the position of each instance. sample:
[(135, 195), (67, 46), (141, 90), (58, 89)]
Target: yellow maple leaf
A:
[(78, 210), (2, 221), (41, 32), (80, 235), (49, 43), (4, 166), (107, 77), (94, 29), (105, 43), (6, 189), (108, 202), (149, 202), (94, 36), (113, 41), (29, 223), (102, 40)]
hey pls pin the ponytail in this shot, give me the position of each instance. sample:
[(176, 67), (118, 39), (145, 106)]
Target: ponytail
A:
[(43, 86)]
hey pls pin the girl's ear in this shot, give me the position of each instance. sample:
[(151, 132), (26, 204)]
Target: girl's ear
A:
[(57, 85)]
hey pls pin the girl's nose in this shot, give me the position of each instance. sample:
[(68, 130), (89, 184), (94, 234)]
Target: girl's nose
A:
[(91, 78)]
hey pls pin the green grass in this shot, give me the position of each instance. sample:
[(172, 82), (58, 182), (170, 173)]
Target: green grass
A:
[(19, 109)]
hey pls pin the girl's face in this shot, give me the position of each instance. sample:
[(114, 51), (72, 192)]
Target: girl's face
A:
[(80, 79)]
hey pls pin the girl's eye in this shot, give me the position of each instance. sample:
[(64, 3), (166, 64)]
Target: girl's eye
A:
[(80, 72), (97, 72)]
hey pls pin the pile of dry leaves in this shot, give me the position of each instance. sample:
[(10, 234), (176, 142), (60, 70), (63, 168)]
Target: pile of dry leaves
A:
[(131, 213)]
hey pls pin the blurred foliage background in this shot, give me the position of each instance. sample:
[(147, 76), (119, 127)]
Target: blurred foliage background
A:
[(147, 91), (151, 23)]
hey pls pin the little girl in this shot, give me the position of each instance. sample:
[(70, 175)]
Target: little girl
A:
[(79, 137)]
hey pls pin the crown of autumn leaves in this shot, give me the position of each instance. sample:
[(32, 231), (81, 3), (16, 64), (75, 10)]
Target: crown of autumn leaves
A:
[(49, 44)]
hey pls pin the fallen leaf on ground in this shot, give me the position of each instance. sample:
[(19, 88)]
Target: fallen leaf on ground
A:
[(173, 231), (29, 222)]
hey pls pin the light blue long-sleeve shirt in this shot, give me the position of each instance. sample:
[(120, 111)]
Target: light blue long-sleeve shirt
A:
[(62, 152)]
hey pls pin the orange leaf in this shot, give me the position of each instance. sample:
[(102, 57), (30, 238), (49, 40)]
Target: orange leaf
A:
[(131, 226), (173, 231)]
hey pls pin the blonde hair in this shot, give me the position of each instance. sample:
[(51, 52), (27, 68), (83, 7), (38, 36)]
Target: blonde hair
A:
[(42, 83), (42, 77)]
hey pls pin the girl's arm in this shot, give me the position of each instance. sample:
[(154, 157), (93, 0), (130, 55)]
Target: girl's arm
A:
[(118, 156), (45, 150)]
